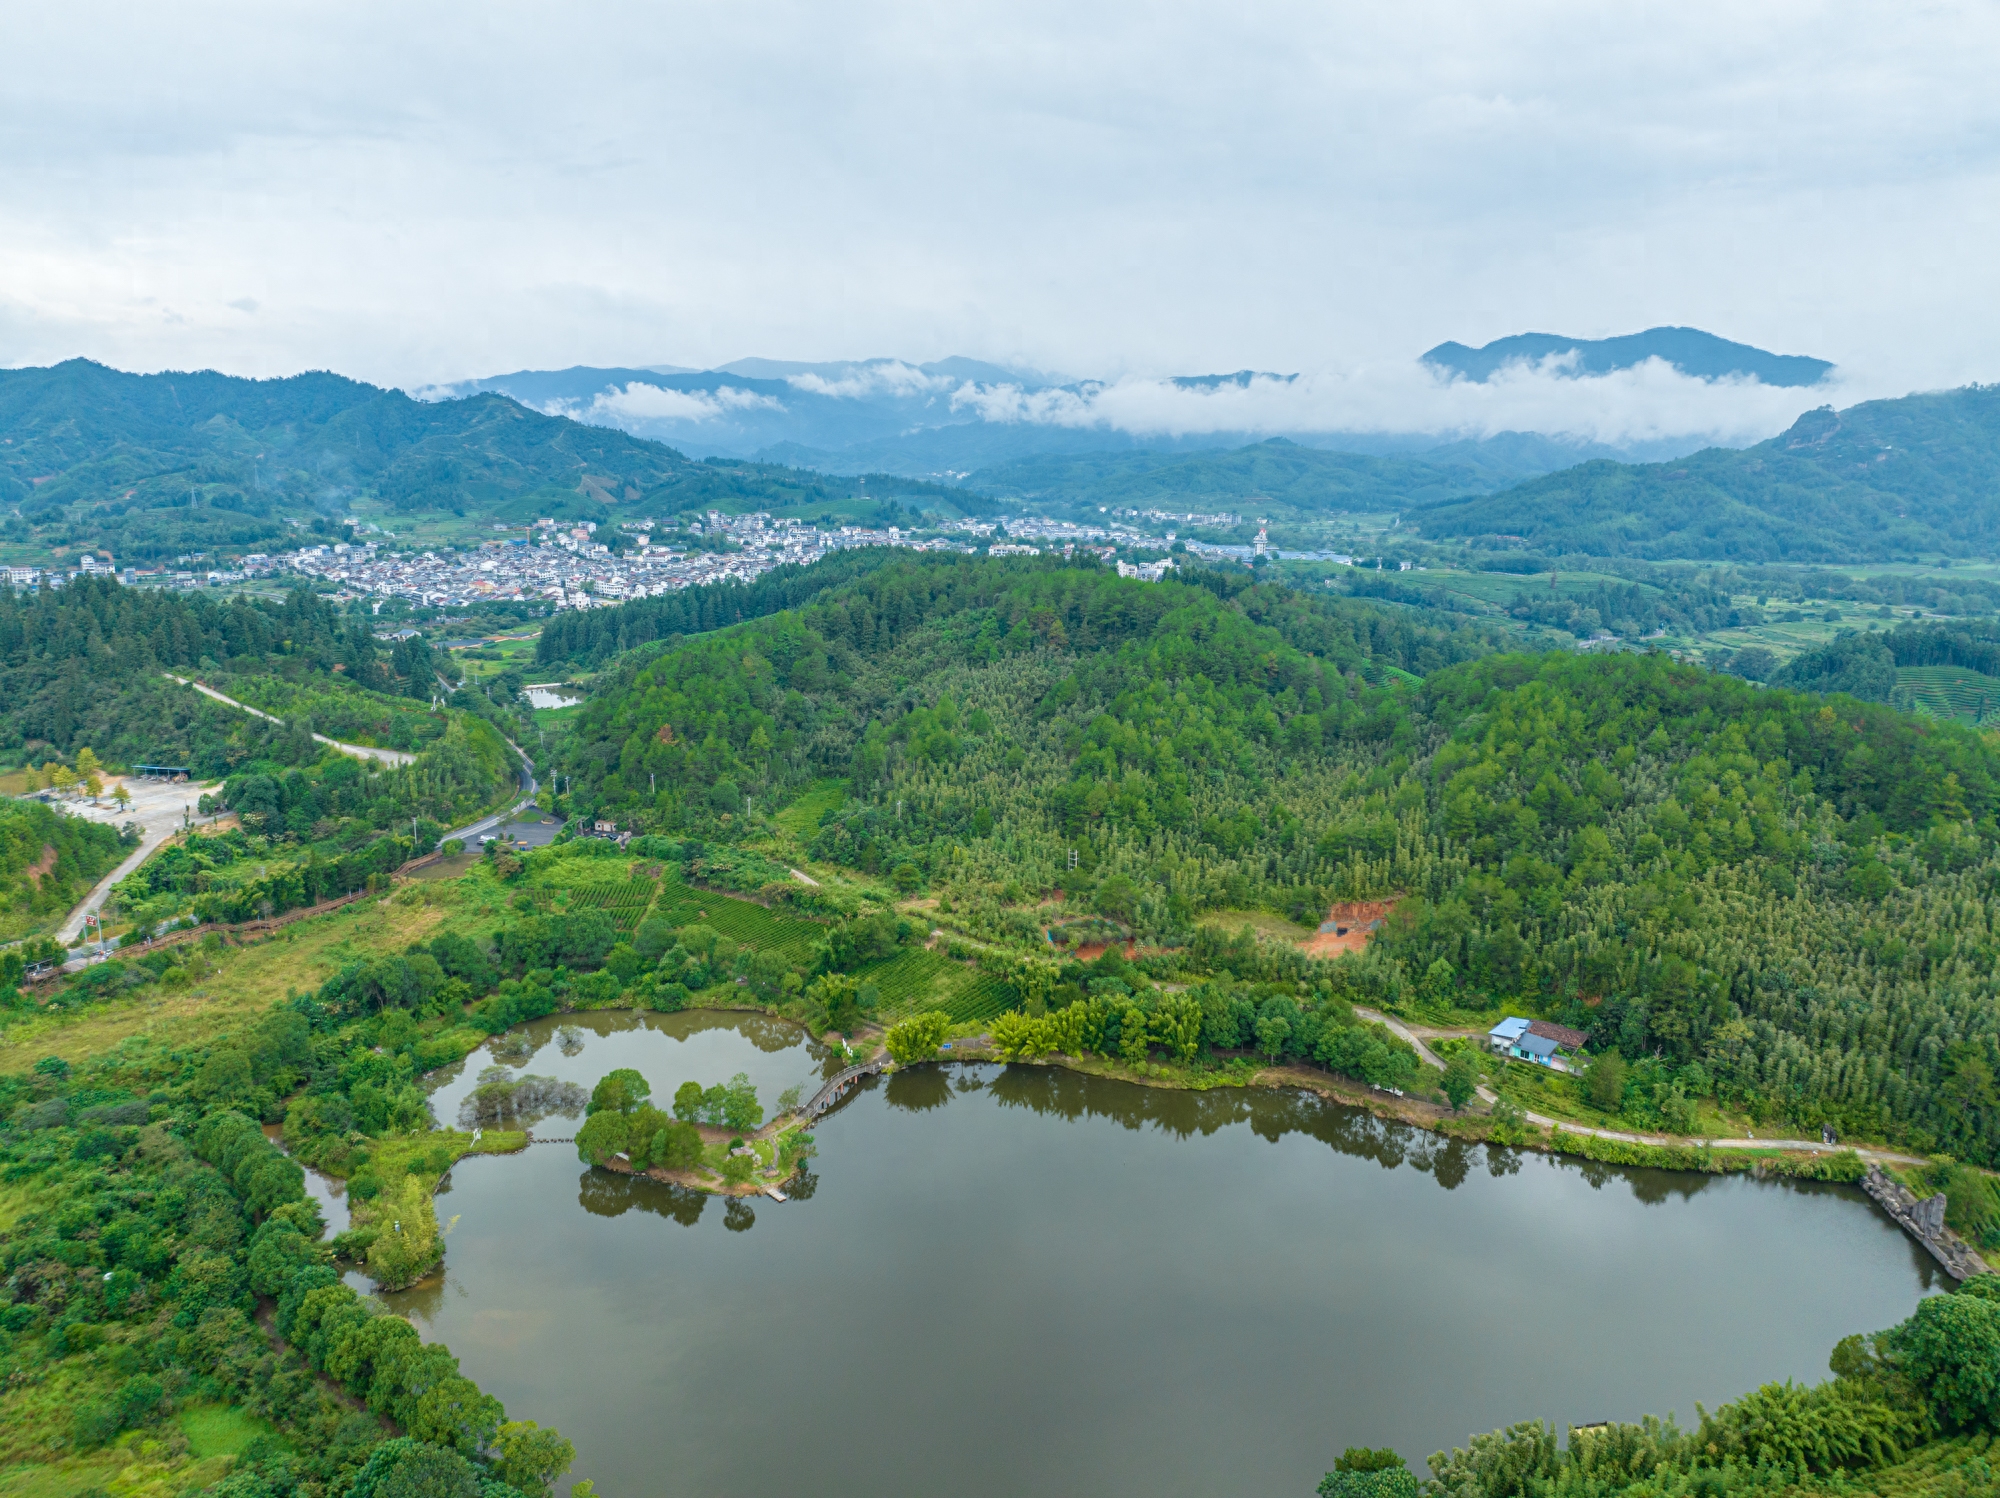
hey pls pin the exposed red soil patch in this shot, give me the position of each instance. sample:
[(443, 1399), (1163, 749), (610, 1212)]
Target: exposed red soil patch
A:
[(1090, 951), (42, 865), (1347, 927)]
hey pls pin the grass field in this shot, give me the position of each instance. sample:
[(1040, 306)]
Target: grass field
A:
[(222, 1430), (1501, 588), (246, 981), (1263, 922), (801, 818)]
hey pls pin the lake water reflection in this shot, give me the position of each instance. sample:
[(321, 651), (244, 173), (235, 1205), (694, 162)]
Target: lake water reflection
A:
[(1014, 1280)]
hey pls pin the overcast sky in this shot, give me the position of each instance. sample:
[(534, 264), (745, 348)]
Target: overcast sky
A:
[(411, 193)]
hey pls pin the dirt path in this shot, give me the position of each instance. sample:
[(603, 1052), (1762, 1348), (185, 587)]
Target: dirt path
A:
[(1488, 1096)]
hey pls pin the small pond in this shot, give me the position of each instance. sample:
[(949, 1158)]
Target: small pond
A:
[(1009, 1280)]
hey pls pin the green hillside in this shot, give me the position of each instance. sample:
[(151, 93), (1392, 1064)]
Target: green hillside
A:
[(1273, 474), (155, 466), (1740, 889), (47, 863), (1886, 479)]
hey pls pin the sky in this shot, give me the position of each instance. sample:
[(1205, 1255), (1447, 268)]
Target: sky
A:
[(419, 194)]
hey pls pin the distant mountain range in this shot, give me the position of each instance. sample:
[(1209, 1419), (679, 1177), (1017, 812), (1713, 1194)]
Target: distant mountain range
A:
[(155, 466), (1881, 480), (950, 417), (1691, 351)]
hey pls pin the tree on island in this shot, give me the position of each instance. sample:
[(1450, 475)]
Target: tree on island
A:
[(620, 1091), (732, 1106), (622, 1122)]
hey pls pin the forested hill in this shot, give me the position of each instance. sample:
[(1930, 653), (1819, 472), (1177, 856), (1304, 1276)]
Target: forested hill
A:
[(154, 466), (1777, 900), (1276, 472), (1864, 664), (86, 667), (1885, 479)]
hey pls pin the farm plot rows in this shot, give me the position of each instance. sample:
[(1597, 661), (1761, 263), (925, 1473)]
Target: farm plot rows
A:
[(742, 921), (1947, 692), (624, 902), (919, 979)]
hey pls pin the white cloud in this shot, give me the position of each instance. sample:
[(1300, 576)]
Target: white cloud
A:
[(1649, 401), (641, 402), (876, 377)]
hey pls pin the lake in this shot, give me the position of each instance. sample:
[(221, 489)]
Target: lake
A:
[(551, 696), (1005, 1280)]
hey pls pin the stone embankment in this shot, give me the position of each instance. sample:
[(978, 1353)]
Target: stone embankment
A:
[(1924, 1221)]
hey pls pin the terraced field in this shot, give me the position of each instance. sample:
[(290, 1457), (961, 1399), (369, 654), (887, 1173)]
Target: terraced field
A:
[(1948, 692), (741, 921), (625, 902), (919, 979)]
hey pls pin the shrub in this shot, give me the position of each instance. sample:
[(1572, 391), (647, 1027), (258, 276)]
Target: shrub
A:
[(918, 1038)]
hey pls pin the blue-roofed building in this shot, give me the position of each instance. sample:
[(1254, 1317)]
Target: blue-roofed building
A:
[(1538, 1040)]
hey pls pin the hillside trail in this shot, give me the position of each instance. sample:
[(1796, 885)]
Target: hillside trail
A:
[(395, 757), (1487, 1095)]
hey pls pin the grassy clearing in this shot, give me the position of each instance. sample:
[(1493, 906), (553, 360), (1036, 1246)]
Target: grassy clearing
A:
[(547, 718), (246, 981), (222, 1430), (36, 1416), (1263, 922), (800, 819), (1502, 588)]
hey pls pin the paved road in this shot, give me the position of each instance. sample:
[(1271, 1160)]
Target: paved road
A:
[(529, 785), (160, 809), (1486, 1094), (359, 751)]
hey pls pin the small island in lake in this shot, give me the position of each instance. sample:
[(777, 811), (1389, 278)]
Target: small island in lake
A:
[(715, 1139)]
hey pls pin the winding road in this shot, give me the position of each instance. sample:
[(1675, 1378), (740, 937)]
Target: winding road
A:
[(529, 785), (1487, 1095), (359, 751)]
